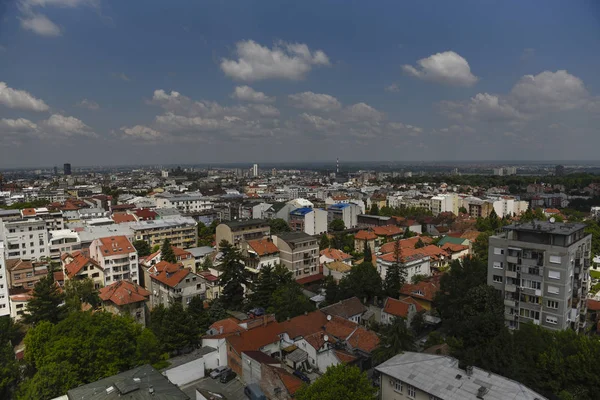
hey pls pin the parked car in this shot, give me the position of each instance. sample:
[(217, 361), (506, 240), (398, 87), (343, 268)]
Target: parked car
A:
[(257, 312), (227, 376), (302, 377), (253, 392), (217, 372)]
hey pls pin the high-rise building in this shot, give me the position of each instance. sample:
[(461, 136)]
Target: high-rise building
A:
[(541, 269), (4, 299), (255, 170), (55, 170), (67, 169)]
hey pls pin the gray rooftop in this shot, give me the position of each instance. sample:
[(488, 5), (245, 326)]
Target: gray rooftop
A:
[(163, 212), (294, 237), (246, 223), (556, 228), (200, 251), (440, 376), (162, 223), (135, 384), (9, 213)]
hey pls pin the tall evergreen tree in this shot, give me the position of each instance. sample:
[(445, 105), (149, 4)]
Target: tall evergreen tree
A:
[(395, 338), (234, 277), (367, 254), (167, 253), (395, 276), (324, 242), (374, 209), (263, 288), (46, 302), (199, 314)]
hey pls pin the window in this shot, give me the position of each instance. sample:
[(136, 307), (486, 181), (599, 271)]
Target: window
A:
[(552, 304), (553, 289), (398, 386), (497, 279), (555, 259), (412, 393), (554, 274), (552, 320), (498, 251), (498, 265)]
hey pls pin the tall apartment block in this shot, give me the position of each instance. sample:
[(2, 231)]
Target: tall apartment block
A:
[(542, 271), (4, 299)]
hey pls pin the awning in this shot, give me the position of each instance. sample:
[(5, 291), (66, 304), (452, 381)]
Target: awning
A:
[(297, 356)]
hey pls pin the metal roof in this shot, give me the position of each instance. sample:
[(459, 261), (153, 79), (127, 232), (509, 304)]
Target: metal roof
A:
[(556, 228), (301, 211)]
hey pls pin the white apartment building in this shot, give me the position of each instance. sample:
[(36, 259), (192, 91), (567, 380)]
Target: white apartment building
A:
[(63, 241), (444, 203), (506, 206), (187, 203), (416, 264), (25, 238), (117, 257), (4, 297)]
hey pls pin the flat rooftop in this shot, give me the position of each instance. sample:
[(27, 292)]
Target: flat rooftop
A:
[(246, 223), (294, 237), (556, 228)]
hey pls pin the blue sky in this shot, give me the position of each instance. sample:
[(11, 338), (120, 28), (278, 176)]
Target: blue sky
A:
[(94, 82)]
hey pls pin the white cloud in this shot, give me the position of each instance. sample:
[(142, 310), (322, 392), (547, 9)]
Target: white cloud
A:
[(265, 110), (320, 123), (67, 126), (392, 88), (59, 3), (20, 99), (284, 61), (447, 68), (314, 101), (363, 112), (41, 25), (89, 104), (20, 125), (122, 76), (246, 93), (141, 132)]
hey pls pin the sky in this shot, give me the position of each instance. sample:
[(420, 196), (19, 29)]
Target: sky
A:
[(97, 82)]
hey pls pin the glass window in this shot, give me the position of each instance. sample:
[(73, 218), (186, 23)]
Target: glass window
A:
[(553, 289), (554, 274), (497, 279), (552, 304), (398, 386), (412, 393)]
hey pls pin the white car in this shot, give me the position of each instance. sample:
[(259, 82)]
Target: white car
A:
[(217, 372)]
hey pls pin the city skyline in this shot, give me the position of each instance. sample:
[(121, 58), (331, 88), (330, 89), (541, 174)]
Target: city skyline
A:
[(93, 83)]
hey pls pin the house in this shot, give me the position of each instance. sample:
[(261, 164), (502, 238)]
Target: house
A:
[(362, 238), (405, 308), (78, 265), (456, 251), (18, 299), (330, 255), (428, 376), (182, 256), (337, 269), (211, 282), (126, 298), (386, 233), (278, 383), (351, 309), (117, 257), (298, 252), (170, 283), (24, 273), (423, 292), (454, 240), (261, 253), (413, 261), (238, 232)]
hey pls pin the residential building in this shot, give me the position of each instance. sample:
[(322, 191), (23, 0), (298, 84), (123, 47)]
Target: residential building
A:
[(186, 204), (170, 283), (422, 376), (18, 303), (405, 308), (412, 261), (237, 232), (181, 231), (541, 269), (117, 257), (25, 238), (444, 203), (337, 269), (347, 212), (261, 253), (299, 252), (63, 241), (78, 265), (370, 221), (330, 255), (364, 237), (4, 286), (126, 298), (312, 221), (182, 257), (25, 273), (351, 309), (263, 211), (423, 292), (143, 382), (595, 212), (54, 219)]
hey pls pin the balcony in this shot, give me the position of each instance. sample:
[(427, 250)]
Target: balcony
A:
[(509, 302), (530, 291), (510, 288), (532, 261), (512, 259), (511, 274)]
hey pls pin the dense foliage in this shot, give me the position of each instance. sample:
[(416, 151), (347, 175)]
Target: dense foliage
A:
[(234, 277), (176, 329), (339, 382), (279, 225), (395, 338), (142, 247), (363, 281), (337, 225), (206, 234), (46, 303), (166, 252)]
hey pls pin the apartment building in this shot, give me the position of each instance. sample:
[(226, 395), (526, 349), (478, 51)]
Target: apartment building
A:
[(63, 241), (237, 232), (347, 212), (181, 231), (24, 273), (312, 221), (299, 252), (127, 299), (117, 257), (421, 376), (186, 204), (261, 253), (4, 295), (541, 270), (25, 238), (54, 219), (168, 283), (78, 265)]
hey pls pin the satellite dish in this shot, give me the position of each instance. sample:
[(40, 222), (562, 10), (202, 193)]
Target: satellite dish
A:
[(329, 318), (552, 220), (326, 338)]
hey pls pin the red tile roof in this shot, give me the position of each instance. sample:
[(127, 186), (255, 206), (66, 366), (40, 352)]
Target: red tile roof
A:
[(59, 276), (365, 235), (409, 243), (263, 247), (364, 340), (208, 276), (425, 290), (254, 339), (124, 292), (399, 308), (454, 248), (310, 279), (115, 245), (170, 274), (335, 254), (227, 326), (304, 325), (387, 230), (120, 218), (28, 212), (145, 214), (345, 358), (291, 383), (79, 261), (593, 305)]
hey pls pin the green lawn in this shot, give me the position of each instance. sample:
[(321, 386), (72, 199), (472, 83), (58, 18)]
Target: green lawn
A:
[(595, 274)]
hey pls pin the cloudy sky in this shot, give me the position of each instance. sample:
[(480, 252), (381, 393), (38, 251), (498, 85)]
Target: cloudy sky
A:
[(94, 82)]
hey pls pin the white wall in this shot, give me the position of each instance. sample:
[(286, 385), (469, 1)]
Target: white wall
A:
[(326, 359), (221, 346), (186, 373), (4, 299), (320, 226)]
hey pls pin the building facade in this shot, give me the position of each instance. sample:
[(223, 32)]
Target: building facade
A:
[(299, 252), (181, 231), (4, 296), (117, 257), (541, 269), (25, 238), (237, 232)]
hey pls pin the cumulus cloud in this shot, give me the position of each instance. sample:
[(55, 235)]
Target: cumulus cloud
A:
[(447, 68), (41, 25), (20, 125), (67, 126), (284, 61), (122, 76), (88, 104), (141, 132), (20, 99), (265, 110), (246, 93), (38, 23), (363, 112), (483, 106), (392, 88), (314, 101)]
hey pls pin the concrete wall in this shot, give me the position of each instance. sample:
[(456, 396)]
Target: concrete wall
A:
[(186, 373)]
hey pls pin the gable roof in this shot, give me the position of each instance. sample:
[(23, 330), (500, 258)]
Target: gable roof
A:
[(291, 383), (454, 248), (343, 357), (115, 245), (424, 290), (450, 239), (124, 292), (169, 274), (226, 326), (400, 308), (263, 247), (79, 261), (409, 243), (338, 266), (335, 254), (120, 218), (345, 308), (387, 230), (365, 235)]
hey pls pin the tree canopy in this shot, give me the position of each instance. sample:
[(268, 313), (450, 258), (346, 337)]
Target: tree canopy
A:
[(234, 277), (279, 225), (175, 328), (166, 252), (363, 281), (339, 382), (395, 338), (46, 303), (337, 225), (142, 247)]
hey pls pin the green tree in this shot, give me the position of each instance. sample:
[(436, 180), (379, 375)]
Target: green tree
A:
[(263, 288), (207, 263), (279, 225), (216, 311), (367, 254), (395, 338), (363, 281), (166, 252), (174, 328), (199, 314), (337, 225), (462, 210), (416, 278), (494, 221), (481, 246), (332, 290), (289, 301), (408, 233), (324, 242), (147, 347), (419, 244), (79, 292), (142, 247), (339, 382), (374, 209), (395, 276), (46, 302), (9, 368), (234, 277)]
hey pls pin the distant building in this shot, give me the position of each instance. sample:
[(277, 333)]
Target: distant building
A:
[(347, 212), (255, 170), (25, 238), (237, 232), (299, 252), (67, 169), (312, 221)]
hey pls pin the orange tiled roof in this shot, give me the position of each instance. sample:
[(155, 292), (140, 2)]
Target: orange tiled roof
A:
[(59, 276), (120, 218), (254, 339), (169, 277), (471, 235), (317, 339), (409, 243), (340, 198), (424, 290), (593, 305), (387, 230), (291, 383), (17, 264), (364, 340), (263, 247), (365, 235), (79, 261), (407, 255), (399, 308), (115, 245), (228, 326), (124, 292), (345, 358), (454, 248), (547, 210), (335, 254), (28, 212)]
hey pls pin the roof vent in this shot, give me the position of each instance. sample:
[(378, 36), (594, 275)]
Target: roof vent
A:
[(458, 376), (469, 370), (110, 390), (482, 391)]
